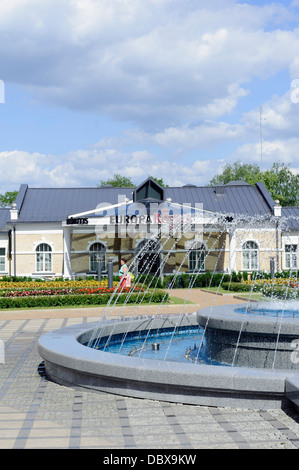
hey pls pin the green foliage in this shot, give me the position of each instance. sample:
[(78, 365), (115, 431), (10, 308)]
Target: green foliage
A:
[(76, 300), (281, 183), (117, 181), (248, 172), (236, 287), (8, 198), (189, 280), (159, 181), (279, 292)]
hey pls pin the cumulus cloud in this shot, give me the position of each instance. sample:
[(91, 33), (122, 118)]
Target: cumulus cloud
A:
[(39, 170), (176, 70), (150, 62)]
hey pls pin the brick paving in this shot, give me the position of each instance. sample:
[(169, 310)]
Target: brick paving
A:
[(38, 414)]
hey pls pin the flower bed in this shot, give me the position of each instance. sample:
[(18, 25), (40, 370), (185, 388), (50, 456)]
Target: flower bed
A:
[(278, 282), (281, 288), (52, 284), (30, 294), (69, 291)]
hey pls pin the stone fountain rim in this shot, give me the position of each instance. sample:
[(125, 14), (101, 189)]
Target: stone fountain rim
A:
[(70, 363), (225, 317)]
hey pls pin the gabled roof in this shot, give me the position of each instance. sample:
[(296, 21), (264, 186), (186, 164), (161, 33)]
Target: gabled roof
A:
[(4, 217), (292, 215), (56, 204), (240, 198)]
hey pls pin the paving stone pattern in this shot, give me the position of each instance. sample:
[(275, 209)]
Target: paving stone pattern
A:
[(36, 413)]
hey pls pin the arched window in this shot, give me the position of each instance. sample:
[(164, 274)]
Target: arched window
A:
[(43, 258), (197, 259), (97, 252), (250, 256)]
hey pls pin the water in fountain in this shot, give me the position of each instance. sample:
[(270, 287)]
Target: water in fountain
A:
[(226, 226), (178, 272)]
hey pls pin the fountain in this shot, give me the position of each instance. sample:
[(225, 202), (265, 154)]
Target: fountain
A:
[(252, 337), (242, 355)]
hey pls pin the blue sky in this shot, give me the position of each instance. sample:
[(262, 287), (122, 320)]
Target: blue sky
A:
[(171, 88)]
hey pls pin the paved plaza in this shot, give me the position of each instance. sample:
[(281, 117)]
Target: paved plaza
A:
[(38, 414)]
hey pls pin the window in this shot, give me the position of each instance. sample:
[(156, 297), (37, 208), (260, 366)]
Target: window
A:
[(250, 256), (149, 189), (148, 257), (291, 256), (2, 259), (197, 259), (43, 258), (97, 252)]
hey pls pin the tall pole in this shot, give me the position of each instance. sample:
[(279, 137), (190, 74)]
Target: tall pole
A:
[(14, 251), (261, 140)]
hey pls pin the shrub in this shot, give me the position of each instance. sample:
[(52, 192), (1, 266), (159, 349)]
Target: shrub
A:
[(72, 300), (236, 287)]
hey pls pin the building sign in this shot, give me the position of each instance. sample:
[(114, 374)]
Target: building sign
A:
[(77, 221), (159, 218)]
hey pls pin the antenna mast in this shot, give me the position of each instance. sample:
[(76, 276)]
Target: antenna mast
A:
[(261, 140)]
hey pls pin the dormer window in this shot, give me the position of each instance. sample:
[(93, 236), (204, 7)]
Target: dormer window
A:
[(149, 189)]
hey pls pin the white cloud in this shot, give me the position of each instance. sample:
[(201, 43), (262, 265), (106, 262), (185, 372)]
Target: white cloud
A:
[(177, 68), (93, 166), (284, 151), (155, 61)]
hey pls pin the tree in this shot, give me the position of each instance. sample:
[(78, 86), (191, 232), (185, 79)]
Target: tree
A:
[(8, 198), (117, 181), (159, 181), (248, 172), (120, 181), (281, 183)]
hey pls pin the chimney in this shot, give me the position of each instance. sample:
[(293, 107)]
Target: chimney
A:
[(219, 190), (14, 213), (277, 209)]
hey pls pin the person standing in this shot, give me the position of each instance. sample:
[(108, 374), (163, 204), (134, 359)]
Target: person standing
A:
[(125, 279)]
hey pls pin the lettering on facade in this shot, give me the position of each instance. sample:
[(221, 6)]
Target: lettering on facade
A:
[(77, 221), (163, 217)]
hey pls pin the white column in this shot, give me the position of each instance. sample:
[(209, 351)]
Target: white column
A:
[(232, 251), (67, 238)]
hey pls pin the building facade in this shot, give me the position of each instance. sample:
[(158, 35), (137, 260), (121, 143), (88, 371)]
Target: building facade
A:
[(71, 232)]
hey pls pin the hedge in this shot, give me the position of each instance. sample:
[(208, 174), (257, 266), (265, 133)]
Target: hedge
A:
[(236, 287), (75, 300), (278, 292), (187, 280)]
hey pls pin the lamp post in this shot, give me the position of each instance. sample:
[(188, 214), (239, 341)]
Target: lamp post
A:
[(99, 269), (110, 274)]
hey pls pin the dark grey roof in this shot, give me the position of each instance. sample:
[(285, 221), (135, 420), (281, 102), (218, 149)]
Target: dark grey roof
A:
[(4, 217), (56, 204), (236, 199), (292, 215)]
